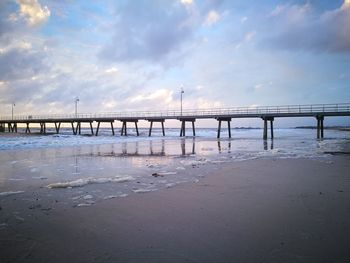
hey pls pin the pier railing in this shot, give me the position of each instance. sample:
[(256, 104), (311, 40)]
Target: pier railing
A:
[(287, 109)]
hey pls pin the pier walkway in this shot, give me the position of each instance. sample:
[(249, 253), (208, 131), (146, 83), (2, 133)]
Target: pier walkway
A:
[(267, 113)]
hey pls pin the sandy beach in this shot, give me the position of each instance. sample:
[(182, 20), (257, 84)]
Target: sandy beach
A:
[(266, 210)]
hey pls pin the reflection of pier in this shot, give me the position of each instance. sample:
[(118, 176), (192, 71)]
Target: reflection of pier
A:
[(266, 113), (228, 146), (156, 149), (266, 145), (183, 147), (131, 149)]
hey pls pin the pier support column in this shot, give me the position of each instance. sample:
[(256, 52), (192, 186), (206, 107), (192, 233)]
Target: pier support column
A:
[(124, 126), (98, 128), (43, 128), (228, 120), (163, 128), (12, 127), (320, 127), (150, 129), (137, 129), (123, 129), (266, 119), (271, 128), (27, 128), (193, 129), (183, 129), (219, 129), (151, 125), (91, 128), (183, 126), (265, 130), (73, 129), (112, 128), (57, 127), (77, 130)]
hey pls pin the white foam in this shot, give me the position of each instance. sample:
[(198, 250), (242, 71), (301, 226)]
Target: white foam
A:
[(200, 161), (169, 185), (16, 179), (10, 193), (154, 165), (39, 177), (218, 162), (109, 197), (143, 190), (166, 173), (84, 204), (86, 197), (84, 181)]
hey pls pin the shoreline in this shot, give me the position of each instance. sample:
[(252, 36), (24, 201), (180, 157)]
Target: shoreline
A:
[(263, 210)]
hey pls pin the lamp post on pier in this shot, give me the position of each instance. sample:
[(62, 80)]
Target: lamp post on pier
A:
[(13, 105), (182, 92), (76, 106)]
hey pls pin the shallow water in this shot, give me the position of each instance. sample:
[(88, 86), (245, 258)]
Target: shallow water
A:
[(86, 169)]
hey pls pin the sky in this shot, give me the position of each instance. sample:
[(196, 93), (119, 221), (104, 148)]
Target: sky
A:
[(136, 55)]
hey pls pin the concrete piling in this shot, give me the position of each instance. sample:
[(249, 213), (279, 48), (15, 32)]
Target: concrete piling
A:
[(183, 126), (220, 120)]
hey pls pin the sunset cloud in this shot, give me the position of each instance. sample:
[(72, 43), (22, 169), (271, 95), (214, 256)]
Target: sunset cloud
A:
[(33, 12)]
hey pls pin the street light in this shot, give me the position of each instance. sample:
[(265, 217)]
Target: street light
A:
[(182, 92), (12, 105), (76, 106)]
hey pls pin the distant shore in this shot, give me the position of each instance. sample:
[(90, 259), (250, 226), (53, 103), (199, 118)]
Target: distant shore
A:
[(337, 128)]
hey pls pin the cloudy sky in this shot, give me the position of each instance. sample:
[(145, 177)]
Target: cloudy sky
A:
[(135, 55)]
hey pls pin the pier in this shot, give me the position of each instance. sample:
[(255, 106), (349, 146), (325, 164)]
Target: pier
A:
[(268, 114)]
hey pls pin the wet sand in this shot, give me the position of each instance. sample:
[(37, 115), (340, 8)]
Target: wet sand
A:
[(266, 210)]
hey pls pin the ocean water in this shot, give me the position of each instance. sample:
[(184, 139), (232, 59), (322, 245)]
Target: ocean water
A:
[(85, 169)]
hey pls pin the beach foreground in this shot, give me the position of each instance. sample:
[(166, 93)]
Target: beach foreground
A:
[(266, 210)]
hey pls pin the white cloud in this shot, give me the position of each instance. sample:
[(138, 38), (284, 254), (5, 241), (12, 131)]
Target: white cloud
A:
[(345, 5), (258, 86), (202, 103), (186, 2), (277, 10), (249, 36), (244, 19), (159, 96), (111, 70), (33, 12), (212, 18)]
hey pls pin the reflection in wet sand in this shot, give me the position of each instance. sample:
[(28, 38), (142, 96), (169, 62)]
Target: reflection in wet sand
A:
[(183, 147), (266, 145), (228, 146), (158, 149)]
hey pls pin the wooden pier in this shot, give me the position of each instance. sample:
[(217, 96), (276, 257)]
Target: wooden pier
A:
[(268, 114)]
